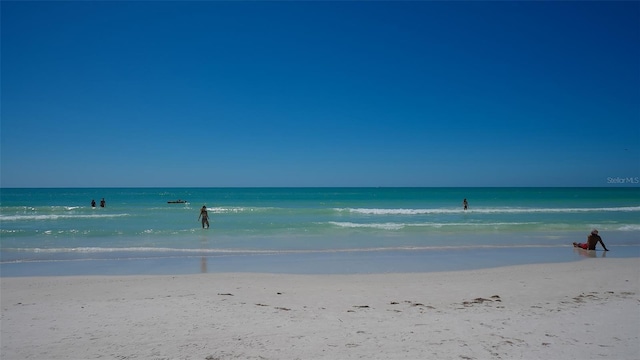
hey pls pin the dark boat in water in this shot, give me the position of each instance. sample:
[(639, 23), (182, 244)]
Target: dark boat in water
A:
[(177, 202)]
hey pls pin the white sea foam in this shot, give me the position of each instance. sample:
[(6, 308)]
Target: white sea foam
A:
[(10, 231), (231, 251), (384, 226), (506, 210), (237, 210), (631, 227), (57, 217), (399, 226)]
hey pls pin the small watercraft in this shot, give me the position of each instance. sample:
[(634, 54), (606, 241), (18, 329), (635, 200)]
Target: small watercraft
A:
[(176, 201)]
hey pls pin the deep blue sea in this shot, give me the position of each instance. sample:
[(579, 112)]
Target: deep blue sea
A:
[(307, 230)]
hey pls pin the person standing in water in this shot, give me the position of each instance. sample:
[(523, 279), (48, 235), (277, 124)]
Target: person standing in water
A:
[(102, 202), (205, 216), (465, 204)]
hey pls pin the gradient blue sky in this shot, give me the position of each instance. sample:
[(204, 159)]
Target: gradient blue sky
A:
[(118, 94)]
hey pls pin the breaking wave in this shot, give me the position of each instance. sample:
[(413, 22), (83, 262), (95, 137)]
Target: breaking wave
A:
[(366, 211)]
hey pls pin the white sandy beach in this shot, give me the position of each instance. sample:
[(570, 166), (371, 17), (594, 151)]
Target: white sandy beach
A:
[(579, 310)]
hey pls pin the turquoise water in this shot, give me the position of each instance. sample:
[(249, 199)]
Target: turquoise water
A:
[(307, 230)]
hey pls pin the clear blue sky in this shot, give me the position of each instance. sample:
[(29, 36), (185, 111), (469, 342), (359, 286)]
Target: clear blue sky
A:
[(115, 94)]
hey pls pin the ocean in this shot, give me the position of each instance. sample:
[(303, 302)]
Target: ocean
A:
[(307, 230)]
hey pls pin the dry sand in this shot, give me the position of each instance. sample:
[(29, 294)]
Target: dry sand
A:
[(579, 310)]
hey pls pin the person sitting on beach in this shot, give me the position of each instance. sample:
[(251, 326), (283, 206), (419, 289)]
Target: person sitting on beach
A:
[(205, 216), (592, 240)]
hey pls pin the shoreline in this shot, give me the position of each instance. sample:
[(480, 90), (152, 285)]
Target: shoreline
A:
[(581, 309), (321, 262)]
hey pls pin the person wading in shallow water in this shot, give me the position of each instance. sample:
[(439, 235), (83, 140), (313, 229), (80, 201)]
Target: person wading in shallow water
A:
[(592, 240), (205, 216)]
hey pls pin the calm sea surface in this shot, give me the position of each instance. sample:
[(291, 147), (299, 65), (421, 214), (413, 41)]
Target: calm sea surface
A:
[(307, 230)]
